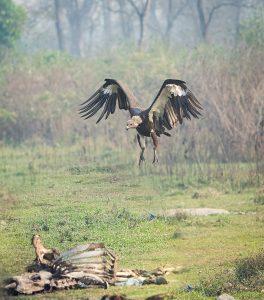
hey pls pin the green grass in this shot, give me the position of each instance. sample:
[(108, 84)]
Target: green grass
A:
[(70, 198)]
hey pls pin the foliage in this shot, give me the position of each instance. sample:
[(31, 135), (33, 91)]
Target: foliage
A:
[(216, 281), (243, 274), (12, 18), (259, 197), (46, 59), (250, 270), (6, 118), (7, 123), (58, 83), (252, 30)]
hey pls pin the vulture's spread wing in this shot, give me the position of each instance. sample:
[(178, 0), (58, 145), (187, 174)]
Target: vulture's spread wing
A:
[(173, 103), (107, 96)]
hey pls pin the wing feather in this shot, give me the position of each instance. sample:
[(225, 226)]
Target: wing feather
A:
[(170, 111), (113, 103), (173, 103), (90, 104), (103, 112), (107, 96), (193, 111), (92, 97), (193, 99), (108, 106), (177, 108), (183, 103), (93, 111), (166, 121)]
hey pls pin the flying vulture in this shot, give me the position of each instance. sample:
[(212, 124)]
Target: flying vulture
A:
[(173, 103)]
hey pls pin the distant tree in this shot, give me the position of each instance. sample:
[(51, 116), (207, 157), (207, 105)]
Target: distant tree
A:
[(12, 18), (237, 18), (252, 31), (172, 15), (58, 24), (164, 14), (125, 18), (107, 21), (206, 11), (141, 10), (77, 11), (204, 22)]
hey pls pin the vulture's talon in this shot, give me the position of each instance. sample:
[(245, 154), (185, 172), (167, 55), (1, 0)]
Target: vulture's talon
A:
[(141, 159), (155, 160)]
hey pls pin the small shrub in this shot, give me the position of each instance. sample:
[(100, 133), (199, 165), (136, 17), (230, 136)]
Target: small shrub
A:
[(8, 121), (177, 216), (259, 198), (62, 222), (195, 195), (177, 234), (250, 267), (216, 283), (12, 18), (244, 274), (112, 217), (42, 225), (252, 31), (66, 235)]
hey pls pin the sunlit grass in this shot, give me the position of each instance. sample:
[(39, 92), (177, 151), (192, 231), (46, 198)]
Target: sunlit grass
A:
[(70, 198)]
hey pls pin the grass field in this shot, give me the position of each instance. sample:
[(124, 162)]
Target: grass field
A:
[(70, 197)]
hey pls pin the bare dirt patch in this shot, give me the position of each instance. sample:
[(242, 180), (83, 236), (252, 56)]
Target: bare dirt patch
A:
[(196, 211)]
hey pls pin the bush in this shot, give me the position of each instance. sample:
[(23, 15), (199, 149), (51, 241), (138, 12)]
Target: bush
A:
[(250, 270), (252, 31), (44, 92), (7, 124), (243, 274), (259, 198), (12, 18)]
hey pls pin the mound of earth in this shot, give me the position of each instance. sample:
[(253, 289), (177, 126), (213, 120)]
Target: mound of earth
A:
[(204, 211)]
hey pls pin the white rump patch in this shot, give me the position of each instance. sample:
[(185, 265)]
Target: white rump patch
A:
[(176, 90), (110, 89)]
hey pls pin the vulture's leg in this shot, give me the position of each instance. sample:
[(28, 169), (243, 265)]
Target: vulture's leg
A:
[(155, 145), (142, 145)]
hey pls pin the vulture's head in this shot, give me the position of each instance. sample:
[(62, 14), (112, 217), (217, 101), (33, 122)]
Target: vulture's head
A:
[(134, 122)]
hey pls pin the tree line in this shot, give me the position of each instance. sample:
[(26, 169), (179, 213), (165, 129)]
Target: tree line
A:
[(83, 27)]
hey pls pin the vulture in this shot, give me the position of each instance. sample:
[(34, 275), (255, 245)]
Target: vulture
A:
[(173, 103)]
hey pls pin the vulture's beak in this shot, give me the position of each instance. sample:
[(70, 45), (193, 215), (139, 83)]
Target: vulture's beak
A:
[(131, 126)]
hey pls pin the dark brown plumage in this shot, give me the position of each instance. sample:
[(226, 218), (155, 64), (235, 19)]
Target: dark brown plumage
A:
[(173, 103)]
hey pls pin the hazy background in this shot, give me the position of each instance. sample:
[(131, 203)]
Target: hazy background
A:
[(73, 181), (55, 53)]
